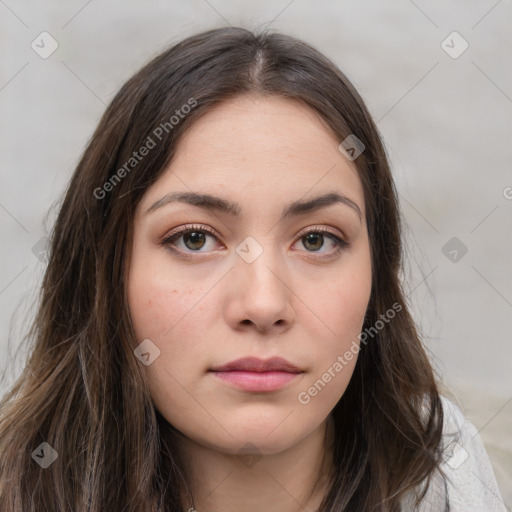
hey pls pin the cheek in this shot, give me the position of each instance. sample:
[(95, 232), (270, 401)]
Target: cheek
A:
[(176, 315), (335, 358), (342, 302), (342, 307), (160, 299)]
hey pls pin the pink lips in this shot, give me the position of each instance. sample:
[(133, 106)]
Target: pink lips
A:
[(258, 375)]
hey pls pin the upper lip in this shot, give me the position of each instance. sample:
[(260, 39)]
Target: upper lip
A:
[(254, 364)]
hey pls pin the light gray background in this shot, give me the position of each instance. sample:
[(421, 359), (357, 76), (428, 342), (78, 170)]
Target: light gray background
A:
[(446, 123)]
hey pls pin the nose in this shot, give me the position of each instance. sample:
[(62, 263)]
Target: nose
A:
[(259, 295)]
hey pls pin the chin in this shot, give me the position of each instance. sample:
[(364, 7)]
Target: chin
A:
[(262, 438)]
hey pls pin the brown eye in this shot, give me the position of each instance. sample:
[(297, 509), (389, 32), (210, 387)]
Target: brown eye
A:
[(322, 243), (313, 241), (194, 240), (190, 239)]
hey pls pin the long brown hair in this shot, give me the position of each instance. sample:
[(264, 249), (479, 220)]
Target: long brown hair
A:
[(84, 393)]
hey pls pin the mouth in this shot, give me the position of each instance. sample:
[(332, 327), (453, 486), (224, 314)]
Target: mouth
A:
[(257, 375)]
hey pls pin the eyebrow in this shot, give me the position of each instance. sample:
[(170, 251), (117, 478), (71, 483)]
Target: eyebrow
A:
[(296, 208)]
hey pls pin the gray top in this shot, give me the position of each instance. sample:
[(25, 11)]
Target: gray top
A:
[(470, 484)]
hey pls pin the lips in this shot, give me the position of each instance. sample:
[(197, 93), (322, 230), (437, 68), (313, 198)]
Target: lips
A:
[(253, 364), (257, 375)]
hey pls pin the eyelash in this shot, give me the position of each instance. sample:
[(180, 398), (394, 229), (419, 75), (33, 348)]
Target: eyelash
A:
[(169, 240)]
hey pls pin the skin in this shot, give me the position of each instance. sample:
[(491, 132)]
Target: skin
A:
[(212, 307)]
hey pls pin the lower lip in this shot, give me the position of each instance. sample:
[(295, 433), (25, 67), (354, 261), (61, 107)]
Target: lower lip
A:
[(257, 381)]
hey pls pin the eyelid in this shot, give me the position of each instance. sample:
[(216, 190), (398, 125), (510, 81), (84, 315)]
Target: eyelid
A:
[(202, 227), (189, 227), (340, 240), (322, 229), (338, 237)]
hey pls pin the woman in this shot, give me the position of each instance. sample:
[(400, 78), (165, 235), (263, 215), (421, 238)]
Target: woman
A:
[(222, 325)]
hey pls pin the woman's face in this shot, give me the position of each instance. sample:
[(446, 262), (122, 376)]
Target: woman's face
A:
[(266, 196)]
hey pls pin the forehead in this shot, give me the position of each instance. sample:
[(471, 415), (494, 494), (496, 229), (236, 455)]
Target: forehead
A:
[(250, 124), (271, 145)]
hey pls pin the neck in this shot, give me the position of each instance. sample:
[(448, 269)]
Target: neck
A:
[(295, 479)]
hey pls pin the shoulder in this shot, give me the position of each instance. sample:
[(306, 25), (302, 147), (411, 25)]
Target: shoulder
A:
[(466, 482), (470, 481)]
